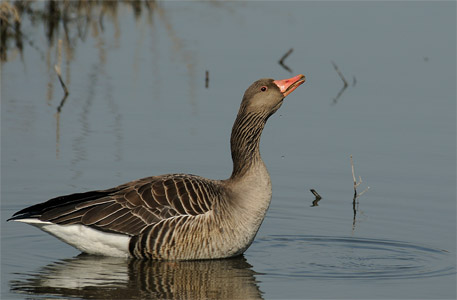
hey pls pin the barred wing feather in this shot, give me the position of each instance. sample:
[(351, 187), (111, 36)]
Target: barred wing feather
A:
[(131, 207)]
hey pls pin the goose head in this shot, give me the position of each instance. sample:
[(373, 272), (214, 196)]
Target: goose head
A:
[(265, 96)]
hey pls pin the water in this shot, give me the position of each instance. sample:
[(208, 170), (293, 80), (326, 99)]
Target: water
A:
[(138, 106)]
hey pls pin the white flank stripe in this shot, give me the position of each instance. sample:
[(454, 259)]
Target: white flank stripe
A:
[(86, 239)]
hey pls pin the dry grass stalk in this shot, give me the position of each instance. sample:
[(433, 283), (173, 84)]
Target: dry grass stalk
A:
[(356, 184)]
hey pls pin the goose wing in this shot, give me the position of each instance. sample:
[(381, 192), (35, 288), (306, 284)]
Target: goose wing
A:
[(131, 207)]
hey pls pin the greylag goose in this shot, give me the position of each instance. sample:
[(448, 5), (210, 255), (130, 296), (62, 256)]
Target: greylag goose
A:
[(176, 216)]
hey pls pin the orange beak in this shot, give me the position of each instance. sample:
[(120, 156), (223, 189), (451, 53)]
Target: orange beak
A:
[(287, 86)]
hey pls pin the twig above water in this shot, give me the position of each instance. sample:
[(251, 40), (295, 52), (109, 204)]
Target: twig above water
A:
[(316, 194), (355, 203), (356, 184), (206, 79), (317, 199), (345, 83), (281, 61), (340, 74)]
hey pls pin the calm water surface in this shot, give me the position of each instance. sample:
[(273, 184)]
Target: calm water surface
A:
[(138, 106)]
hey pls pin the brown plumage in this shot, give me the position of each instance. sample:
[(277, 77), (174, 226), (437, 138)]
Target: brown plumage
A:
[(177, 216)]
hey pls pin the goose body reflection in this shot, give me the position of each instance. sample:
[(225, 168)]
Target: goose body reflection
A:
[(176, 216), (95, 277)]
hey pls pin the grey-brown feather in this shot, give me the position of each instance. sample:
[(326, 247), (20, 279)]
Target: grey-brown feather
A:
[(133, 207)]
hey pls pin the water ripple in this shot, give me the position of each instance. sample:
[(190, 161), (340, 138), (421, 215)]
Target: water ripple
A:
[(352, 258)]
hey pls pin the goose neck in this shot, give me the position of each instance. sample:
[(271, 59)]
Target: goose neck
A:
[(245, 141)]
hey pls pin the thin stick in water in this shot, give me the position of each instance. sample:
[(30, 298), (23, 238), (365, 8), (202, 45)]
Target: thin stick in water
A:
[(281, 61), (316, 194), (57, 67), (345, 83), (356, 184), (318, 197), (340, 74)]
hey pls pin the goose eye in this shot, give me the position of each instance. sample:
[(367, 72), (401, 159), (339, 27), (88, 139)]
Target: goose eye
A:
[(263, 88)]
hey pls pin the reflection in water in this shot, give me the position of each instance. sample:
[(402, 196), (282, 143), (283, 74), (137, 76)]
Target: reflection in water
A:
[(10, 28), (66, 24), (57, 116), (355, 208), (55, 15), (186, 56), (79, 143), (355, 202), (88, 277), (62, 102)]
